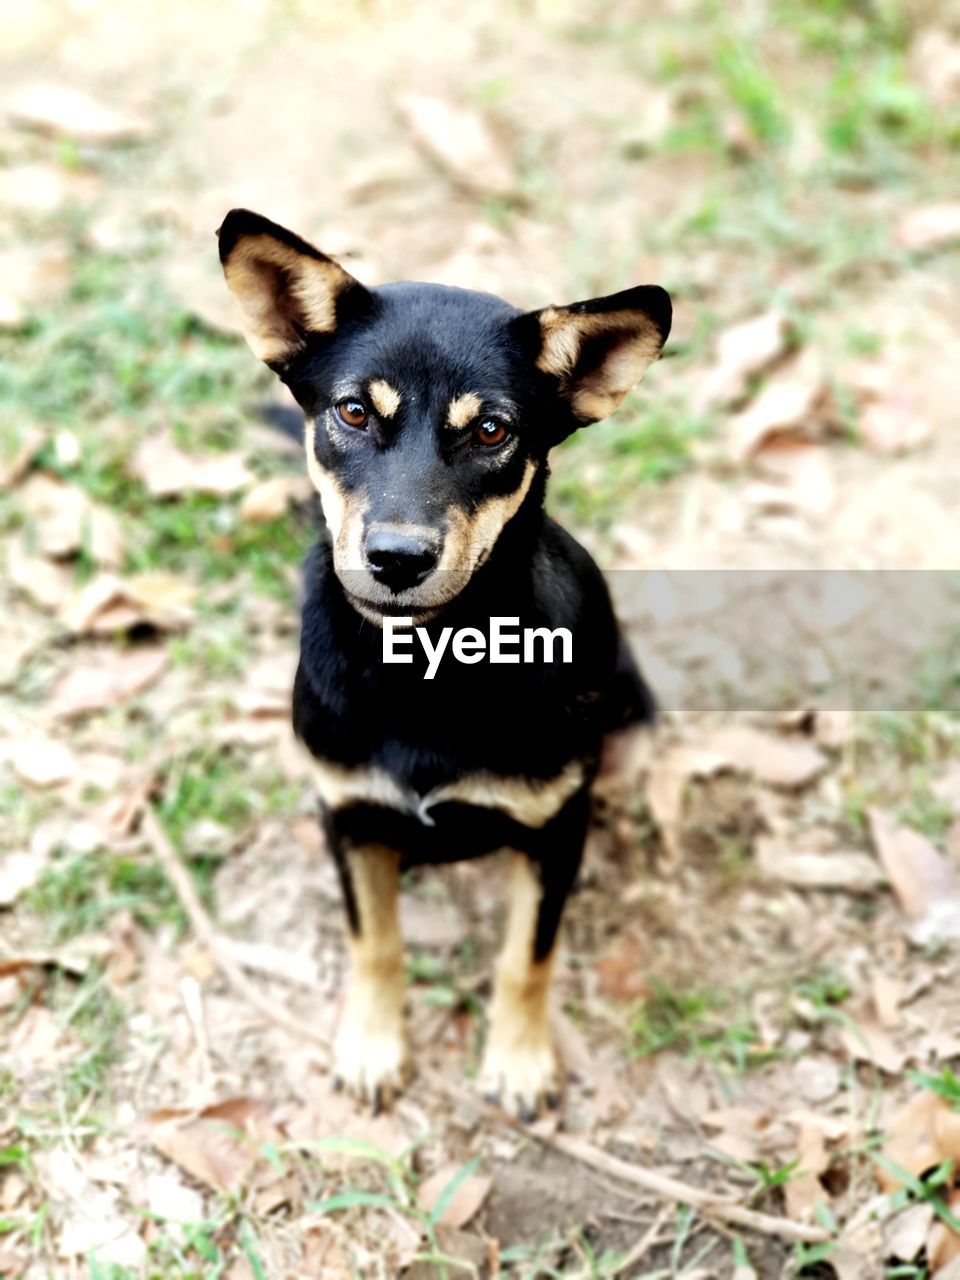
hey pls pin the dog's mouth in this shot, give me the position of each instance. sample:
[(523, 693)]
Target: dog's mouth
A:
[(421, 603)]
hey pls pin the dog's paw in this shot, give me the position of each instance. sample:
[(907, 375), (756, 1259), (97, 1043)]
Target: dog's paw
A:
[(522, 1078), (370, 1055)]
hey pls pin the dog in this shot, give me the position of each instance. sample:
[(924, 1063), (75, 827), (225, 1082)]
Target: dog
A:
[(430, 413)]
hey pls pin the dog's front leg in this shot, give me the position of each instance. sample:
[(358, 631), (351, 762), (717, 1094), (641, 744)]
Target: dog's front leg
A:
[(519, 1066), (370, 1050)]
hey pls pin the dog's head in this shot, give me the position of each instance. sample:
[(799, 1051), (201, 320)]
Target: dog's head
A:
[(429, 410)]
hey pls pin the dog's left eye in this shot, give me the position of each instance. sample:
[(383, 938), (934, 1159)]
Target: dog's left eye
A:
[(490, 432), (352, 413)]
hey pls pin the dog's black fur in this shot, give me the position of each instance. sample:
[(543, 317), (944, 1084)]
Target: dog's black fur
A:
[(437, 353)]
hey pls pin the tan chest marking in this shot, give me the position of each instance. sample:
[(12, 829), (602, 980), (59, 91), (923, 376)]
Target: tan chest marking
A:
[(528, 802)]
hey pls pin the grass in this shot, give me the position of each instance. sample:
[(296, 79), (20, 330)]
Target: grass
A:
[(116, 362), (707, 1023)]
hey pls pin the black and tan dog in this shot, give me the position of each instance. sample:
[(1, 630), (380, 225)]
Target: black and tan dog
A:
[(430, 413)]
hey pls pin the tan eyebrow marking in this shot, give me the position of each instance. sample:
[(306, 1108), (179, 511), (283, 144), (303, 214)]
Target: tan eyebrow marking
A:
[(463, 410), (386, 399)]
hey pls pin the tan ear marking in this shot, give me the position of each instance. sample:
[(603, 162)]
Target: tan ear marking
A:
[(283, 294), (631, 342), (386, 399), (462, 410)]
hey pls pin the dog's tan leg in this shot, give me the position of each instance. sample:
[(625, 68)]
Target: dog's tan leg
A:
[(519, 1065), (370, 1049)]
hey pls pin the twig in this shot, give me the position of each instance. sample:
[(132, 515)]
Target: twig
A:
[(708, 1202), (203, 927), (646, 1241)]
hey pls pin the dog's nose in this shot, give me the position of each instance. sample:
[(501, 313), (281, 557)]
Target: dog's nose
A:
[(400, 560)]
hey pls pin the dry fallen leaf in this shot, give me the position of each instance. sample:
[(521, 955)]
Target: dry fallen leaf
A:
[(849, 870), (787, 763), (803, 476), (171, 1200), (273, 498), (109, 603), (894, 423), (925, 883), (219, 1145), (66, 521), (105, 680), (466, 1201), (46, 584), (865, 1040), (18, 453), (459, 141), (790, 404), (743, 350), (42, 189), (804, 1190), (943, 1243), (621, 971), (39, 761), (887, 993), (167, 470), (19, 871), (905, 1234), (935, 61), (71, 113), (920, 1137), (931, 226), (666, 782)]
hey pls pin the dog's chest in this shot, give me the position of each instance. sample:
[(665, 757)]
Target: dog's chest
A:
[(532, 802)]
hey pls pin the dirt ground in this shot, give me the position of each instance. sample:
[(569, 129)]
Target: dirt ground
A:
[(758, 989)]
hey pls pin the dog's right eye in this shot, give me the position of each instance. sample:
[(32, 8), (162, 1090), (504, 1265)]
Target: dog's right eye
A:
[(352, 413)]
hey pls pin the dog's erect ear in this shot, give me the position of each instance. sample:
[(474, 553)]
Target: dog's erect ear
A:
[(286, 288), (599, 350)]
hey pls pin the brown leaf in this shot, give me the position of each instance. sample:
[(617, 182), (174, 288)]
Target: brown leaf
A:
[(851, 871), (46, 584), (887, 993), (106, 680), (41, 189), (19, 451), (70, 113), (19, 871), (167, 470), (894, 424), (788, 763), (866, 1041), (622, 971), (109, 603), (39, 761), (905, 1234), (943, 1243), (467, 1199), (743, 350), (219, 1145), (935, 61), (65, 520), (667, 779), (271, 499), (459, 140), (803, 475), (920, 1137), (790, 404), (931, 226), (804, 1191), (925, 883)]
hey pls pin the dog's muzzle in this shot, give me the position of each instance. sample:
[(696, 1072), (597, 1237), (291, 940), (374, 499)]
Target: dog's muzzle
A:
[(400, 560)]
